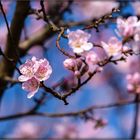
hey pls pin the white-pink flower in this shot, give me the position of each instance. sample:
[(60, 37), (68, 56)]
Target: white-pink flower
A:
[(78, 41), (126, 27), (113, 48), (33, 72), (133, 81)]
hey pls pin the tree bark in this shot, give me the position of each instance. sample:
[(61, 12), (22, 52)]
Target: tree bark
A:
[(6, 67)]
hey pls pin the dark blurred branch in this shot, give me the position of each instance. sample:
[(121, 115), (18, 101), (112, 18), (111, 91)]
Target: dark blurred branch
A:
[(58, 45), (6, 69), (50, 29), (37, 39), (68, 114), (136, 116)]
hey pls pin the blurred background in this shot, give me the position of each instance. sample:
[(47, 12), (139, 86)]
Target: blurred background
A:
[(107, 87)]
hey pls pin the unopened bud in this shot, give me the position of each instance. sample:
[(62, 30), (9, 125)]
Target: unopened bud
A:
[(69, 64), (77, 74)]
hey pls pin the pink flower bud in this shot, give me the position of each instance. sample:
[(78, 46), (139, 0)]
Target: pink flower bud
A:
[(136, 78), (92, 58), (99, 69), (70, 64), (125, 49), (77, 74), (130, 88)]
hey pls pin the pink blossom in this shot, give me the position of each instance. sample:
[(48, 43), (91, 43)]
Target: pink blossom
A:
[(113, 48), (26, 130), (78, 41), (127, 26), (27, 70), (44, 70), (66, 130), (33, 72), (133, 81)]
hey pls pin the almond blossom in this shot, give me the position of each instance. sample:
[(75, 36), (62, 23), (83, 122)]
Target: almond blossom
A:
[(33, 72), (126, 27), (78, 41), (113, 48), (133, 85)]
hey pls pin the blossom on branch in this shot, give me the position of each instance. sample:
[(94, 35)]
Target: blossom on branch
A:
[(33, 72), (126, 27), (133, 85), (78, 41), (70, 64), (113, 48), (92, 58)]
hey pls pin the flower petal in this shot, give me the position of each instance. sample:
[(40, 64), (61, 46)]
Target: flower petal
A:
[(87, 46), (31, 94), (78, 50), (23, 78), (32, 85), (104, 45), (44, 70)]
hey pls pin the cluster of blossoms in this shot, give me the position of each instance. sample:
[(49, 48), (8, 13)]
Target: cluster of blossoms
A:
[(129, 27), (78, 41), (33, 72), (126, 28), (133, 85)]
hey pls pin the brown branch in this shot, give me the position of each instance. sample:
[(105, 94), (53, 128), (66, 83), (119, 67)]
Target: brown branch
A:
[(38, 38), (6, 69), (68, 114), (58, 45), (101, 20), (136, 116)]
